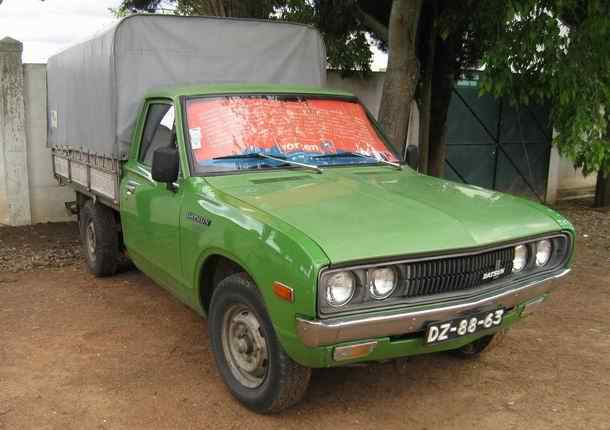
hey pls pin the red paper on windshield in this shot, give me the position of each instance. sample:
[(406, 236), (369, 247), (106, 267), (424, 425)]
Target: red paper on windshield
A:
[(240, 125)]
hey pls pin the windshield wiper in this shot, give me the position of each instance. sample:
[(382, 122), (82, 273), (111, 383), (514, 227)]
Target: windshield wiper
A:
[(357, 154), (268, 157)]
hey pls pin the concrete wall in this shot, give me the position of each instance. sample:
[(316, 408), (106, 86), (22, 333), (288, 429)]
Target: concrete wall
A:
[(28, 191), (14, 186), (46, 196), (573, 183), (566, 182), (368, 90)]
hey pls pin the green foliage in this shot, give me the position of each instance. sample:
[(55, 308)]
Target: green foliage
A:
[(140, 5), (347, 48), (259, 9), (556, 51)]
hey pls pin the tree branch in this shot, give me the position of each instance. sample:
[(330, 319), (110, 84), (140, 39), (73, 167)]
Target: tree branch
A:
[(221, 9), (376, 27)]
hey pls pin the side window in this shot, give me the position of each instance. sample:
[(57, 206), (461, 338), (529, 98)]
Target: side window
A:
[(158, 131)]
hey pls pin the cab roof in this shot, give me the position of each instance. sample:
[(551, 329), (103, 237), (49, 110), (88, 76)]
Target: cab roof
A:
[(218, 89)]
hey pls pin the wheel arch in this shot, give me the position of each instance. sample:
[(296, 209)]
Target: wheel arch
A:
[(82, 199), (214, 267), (289, 263)]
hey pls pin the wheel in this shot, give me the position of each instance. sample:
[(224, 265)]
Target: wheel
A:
[(476, 348), (250, 359), (100, 238)]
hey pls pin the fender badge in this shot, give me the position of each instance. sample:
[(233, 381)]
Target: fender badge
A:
[(198, 219)]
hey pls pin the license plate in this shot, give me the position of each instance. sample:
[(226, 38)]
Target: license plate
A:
[(447, 330)]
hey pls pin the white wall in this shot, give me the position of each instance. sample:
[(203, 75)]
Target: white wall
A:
[(14, 181), (368, 90), (46, 196), (28, 191), (573, 183)]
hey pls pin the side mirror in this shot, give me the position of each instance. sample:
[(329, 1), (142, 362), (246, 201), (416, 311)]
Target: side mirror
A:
[(412, 156), (165, 165)]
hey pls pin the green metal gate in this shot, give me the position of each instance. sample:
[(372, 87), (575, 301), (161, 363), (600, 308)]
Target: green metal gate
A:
[(495, 145)]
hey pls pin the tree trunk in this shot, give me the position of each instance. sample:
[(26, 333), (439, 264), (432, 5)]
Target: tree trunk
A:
[(446, 68), (220, 6), (402, 73), (438, 125), (428, 34), (602, 187)]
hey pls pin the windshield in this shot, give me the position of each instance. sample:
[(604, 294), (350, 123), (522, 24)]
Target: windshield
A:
[(314, 131)]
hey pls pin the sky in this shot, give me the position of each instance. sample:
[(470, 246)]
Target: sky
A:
[(47, 27)]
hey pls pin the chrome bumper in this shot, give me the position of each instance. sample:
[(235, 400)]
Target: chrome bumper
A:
[(330, 331)]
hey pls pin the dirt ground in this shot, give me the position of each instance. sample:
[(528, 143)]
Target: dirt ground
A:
[(84, 353)]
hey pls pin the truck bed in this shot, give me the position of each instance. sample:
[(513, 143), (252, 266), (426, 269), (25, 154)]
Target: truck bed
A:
[(95, 175)]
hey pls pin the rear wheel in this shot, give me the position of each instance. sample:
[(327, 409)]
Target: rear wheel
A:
[(99, 238), (251, 361)]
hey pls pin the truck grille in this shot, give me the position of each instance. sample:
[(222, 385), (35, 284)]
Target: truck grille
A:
[(453, 274)]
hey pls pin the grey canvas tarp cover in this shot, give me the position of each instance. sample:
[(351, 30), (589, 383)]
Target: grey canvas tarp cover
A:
[(95, 88)]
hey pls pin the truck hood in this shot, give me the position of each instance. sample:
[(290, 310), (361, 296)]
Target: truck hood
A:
[(375, 212)]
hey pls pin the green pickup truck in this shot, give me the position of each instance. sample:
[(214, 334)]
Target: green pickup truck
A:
[(281, 214)]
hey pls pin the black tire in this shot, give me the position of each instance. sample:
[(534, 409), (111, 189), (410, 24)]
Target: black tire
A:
[(99, 238), (476, 348), (284, 382)]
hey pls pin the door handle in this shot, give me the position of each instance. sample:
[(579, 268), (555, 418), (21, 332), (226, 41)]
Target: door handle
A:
[(131, 187)]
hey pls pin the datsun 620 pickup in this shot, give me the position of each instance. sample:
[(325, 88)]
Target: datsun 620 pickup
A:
[(284, 216)]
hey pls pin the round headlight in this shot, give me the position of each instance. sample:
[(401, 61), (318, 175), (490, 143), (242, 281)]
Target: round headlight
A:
[(520, 260), (382, 282), (543, 252), (340, 288)]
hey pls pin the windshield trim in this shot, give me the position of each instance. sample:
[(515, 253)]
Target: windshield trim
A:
[(289, 168), (189, 149)]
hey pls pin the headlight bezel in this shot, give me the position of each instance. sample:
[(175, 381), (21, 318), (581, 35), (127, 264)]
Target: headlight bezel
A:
[(362, 296), (362, 300), (351, 295), (527, 257), (370, 275), (550, 252)]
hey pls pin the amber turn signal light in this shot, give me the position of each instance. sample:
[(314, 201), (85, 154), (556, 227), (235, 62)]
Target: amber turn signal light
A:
[(283, 292), (351, 352)]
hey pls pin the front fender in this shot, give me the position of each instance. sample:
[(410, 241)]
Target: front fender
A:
[(265, 247)]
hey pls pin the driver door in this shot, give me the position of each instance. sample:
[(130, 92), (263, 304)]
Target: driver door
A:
[(150, 212)]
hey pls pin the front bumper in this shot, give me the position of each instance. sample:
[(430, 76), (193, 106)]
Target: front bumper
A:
[(315, 333)]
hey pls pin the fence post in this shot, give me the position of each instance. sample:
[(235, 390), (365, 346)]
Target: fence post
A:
[(14, 182)]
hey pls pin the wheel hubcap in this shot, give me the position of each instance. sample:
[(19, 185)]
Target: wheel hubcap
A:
[(244, 345), (91, 240)]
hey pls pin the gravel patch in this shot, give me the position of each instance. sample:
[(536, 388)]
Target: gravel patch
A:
[(39, 246)]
